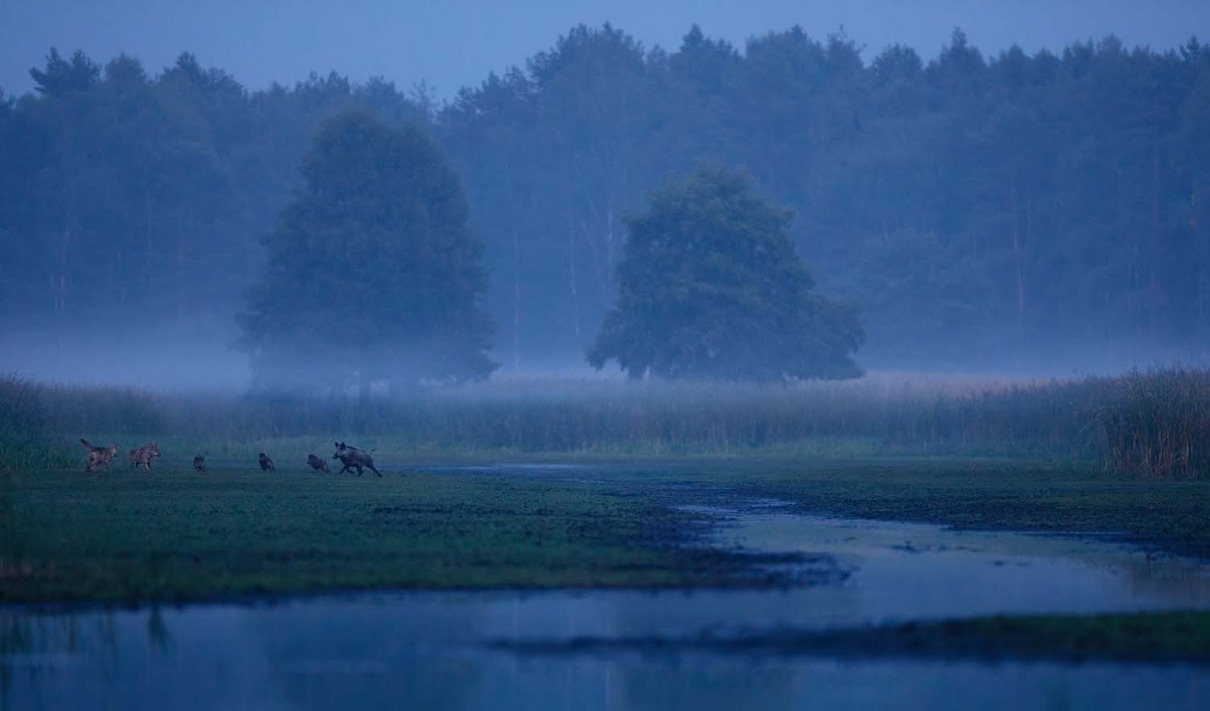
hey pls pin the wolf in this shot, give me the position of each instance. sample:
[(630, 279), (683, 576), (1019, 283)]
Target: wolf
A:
[(142, 456), (317, 464), (199, 463), (266, 464), (352, 457), (98, 456)]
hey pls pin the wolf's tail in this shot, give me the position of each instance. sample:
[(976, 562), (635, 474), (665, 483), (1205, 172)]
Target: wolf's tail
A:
[(85, 443)]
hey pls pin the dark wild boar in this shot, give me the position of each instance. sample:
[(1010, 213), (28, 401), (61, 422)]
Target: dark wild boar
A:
[(352, 457)]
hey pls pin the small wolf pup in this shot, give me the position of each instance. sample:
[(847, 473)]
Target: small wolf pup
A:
[(199, 463), (99, 456), (352, 457), (266, 464), (142, 456), (317, 464)]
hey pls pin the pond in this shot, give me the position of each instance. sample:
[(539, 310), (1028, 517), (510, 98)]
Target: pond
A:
[(436, 650)]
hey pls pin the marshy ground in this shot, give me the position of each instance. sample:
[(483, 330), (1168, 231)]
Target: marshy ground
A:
[(179, 535)]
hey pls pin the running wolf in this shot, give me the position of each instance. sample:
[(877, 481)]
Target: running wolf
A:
[(142, 456), (317, 464), (266, 464), (98, 456), (199, 463), (352, 457)]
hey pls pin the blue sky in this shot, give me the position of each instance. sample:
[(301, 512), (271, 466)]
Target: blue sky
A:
[(457, 42)]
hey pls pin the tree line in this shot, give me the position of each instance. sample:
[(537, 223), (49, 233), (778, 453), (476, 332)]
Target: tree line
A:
[(969, 206)]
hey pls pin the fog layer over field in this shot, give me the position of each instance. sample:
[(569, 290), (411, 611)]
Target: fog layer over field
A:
[(174, 361), (169, 358)]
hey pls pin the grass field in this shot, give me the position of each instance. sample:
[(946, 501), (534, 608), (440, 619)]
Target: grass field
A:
[(178, 535)]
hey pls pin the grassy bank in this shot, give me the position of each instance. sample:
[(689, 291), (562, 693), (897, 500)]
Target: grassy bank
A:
[(1155, 423), (178, 535)]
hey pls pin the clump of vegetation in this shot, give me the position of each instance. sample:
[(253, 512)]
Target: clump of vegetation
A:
[(23, 432), (1157, 423)]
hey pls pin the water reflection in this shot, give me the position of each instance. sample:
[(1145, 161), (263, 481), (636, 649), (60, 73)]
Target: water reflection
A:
[(232, 660), (427, 650)]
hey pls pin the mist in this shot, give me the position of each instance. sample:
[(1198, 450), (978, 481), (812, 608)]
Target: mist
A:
[(1026, 195), (170, 361)]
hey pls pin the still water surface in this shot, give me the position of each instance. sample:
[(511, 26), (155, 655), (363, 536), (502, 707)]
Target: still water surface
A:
[(430, 650)]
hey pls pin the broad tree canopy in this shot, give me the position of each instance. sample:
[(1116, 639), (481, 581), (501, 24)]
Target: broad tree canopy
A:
[(711, 287), (373, 271)]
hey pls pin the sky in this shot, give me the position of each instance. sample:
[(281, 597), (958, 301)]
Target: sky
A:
[(455, 43)]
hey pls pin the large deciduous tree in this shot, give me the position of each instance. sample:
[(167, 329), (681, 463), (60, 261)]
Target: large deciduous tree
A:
[(373, 272), (711, 287)]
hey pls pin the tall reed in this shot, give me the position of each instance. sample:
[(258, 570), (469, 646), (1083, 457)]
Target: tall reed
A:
[(1157, 423)]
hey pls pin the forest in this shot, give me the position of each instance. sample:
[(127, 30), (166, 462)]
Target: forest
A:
[(975, 209)]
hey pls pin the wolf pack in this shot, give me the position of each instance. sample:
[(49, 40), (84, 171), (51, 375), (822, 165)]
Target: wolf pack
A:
[(352, 458)]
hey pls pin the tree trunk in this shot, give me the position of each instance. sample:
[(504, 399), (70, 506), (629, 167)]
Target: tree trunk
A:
[(1202, 292), (516, 304), (1153, 244), (611, 250), (1018, 268), (150, 245), (59, 284), (363, 389), (182, 276), (575, 291)]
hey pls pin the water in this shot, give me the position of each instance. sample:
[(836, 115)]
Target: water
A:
[(431, 650)]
